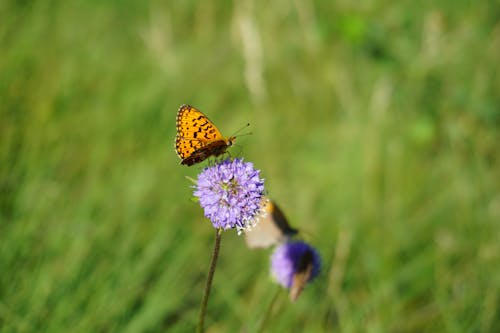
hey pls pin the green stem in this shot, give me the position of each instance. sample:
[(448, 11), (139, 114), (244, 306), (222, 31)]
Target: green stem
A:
[(268, 312), (208, 285)]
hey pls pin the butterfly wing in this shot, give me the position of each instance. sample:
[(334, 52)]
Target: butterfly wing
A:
[(197, 137), (271, 229), (281, 221)]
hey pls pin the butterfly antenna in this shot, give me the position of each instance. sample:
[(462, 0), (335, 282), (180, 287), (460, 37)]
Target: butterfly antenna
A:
[(241, 129)]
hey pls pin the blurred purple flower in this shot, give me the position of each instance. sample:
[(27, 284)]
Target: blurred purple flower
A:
[(294, 264), (231, 194)]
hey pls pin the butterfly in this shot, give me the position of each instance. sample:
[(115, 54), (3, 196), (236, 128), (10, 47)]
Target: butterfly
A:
[(302, 274), (197, 137), (271, 229)]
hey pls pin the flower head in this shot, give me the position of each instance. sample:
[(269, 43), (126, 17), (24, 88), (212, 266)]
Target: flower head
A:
[(231, 194), (294, 264)]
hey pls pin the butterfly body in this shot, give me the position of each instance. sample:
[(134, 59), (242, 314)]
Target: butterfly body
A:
[(197, 137)]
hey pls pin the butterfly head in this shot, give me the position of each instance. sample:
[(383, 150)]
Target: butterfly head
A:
[(230, 141)]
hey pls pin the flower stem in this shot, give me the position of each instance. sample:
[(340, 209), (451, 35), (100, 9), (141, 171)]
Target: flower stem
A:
[(208, 285), (268, 312)]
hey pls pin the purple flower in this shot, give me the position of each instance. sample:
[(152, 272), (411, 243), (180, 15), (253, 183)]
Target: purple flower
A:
[(294, 264), (231, 194)]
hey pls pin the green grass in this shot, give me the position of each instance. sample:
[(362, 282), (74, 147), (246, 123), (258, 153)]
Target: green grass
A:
[(375, 125)]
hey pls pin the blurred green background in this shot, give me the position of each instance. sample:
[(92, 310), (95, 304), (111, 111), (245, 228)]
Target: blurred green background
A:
[(375, 124)]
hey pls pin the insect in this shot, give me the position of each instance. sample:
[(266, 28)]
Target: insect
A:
[(272, 229), (302, 275), (197, 137)]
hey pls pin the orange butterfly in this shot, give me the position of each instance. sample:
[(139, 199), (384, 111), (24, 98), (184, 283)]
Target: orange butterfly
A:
[(272, 229), (197, 137)]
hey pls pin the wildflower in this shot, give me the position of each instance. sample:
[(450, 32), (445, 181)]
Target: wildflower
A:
[(231, 194), (294, 264)]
